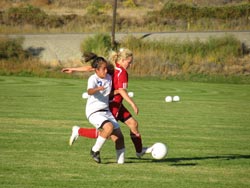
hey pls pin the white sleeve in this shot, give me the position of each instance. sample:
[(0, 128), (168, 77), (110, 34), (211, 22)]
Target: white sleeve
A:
[(91, 82)]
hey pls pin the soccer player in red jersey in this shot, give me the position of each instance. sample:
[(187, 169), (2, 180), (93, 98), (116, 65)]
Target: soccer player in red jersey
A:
[(122, 61)]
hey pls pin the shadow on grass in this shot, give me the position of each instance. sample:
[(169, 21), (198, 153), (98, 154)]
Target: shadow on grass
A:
[(225, 157), (187, 161)]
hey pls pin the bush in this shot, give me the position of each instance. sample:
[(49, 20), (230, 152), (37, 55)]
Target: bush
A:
[(99, 44), (184, 11), (198, 18), (95, 8), (19, 16), (27, 14), (159, 58), (12, 49)]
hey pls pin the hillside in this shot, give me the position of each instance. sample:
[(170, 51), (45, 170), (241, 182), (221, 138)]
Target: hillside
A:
[(228, 55), (125, 7), (49, 16)]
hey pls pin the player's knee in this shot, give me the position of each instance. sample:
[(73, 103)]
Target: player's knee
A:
[(134, 124), (108, 128)]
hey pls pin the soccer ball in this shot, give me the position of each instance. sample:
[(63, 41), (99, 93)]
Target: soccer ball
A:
[(168, 99), (159, 151), (85, 95), (131, 94), (176, 98)]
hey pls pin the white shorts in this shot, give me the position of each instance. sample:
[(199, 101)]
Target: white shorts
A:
[(98, 118)]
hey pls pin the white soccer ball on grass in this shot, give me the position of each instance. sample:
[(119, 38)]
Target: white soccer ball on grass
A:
[(131, 94), (176, 98), (85, 95), (159, 151), (168, 99)]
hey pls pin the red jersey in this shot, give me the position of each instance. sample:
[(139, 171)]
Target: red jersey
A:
[(120, 80)]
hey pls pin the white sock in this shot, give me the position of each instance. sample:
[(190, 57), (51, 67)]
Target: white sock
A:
[(120, 155), (149, 149), (98, 144)]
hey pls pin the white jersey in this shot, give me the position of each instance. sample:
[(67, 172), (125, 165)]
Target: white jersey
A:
[(100, 100)]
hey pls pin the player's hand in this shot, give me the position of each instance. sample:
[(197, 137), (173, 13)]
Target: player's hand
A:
[(67, 70), (100, 88), (136, 109)]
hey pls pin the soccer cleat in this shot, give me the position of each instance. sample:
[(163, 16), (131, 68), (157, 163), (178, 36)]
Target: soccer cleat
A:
[(144, 150), (74, 135), (95, 156)]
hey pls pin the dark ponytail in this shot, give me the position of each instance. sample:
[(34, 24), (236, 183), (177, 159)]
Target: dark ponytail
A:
[(95, 60)]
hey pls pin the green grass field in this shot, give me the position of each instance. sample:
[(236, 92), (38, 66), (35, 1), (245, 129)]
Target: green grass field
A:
[(207, 133)]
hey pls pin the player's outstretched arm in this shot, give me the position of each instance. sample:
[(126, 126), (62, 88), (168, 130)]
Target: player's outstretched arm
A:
[(70, 70)]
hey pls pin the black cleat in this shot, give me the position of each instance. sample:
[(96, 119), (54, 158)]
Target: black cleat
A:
[(95, 156)]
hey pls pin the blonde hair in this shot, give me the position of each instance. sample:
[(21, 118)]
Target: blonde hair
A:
[(123, 53)]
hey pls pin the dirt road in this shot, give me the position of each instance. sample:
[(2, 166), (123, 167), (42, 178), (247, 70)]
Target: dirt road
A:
[(66, 47)]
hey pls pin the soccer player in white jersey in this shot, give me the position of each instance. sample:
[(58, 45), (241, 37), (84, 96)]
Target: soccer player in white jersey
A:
[(121, 61), (98, 113)]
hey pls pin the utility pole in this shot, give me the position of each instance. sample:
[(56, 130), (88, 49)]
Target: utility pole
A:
[(113, 25)]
